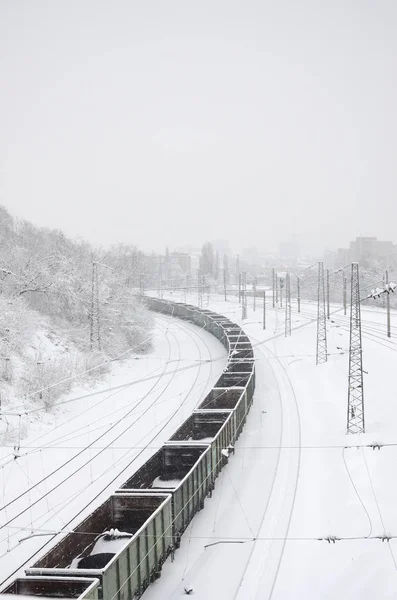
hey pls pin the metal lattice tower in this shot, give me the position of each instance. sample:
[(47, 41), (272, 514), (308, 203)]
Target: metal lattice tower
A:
[(287, 304), (355, 402), (95, 328), (321, 351)]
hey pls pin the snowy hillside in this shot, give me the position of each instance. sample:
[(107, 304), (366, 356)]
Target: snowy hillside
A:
[(71, 460)]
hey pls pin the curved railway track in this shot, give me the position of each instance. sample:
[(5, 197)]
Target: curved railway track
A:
[(162, 424), (264, 559)]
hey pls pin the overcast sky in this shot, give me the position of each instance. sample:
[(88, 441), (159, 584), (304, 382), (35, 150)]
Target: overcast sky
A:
[(165, 122)]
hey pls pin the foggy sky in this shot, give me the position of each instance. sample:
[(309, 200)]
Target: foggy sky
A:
[(165, 122)]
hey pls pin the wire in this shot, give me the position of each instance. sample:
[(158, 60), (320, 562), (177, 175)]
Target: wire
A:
[(114, 479), (108, 446), (240, 504), (79, 453), (318, 538), (133, 459), (378, 508), (373, 446), (357, 494)]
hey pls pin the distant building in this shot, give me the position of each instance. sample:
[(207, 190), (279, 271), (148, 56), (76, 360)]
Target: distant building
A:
[(342, 257), (366, 249)]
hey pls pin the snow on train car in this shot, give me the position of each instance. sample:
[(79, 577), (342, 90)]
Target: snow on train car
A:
[(239, 374), (64, 588), (123, 543), (183, 471), (119, 549), (232, 398), (214, 427)]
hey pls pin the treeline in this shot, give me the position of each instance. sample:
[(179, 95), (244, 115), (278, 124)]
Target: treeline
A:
[(45, 275)]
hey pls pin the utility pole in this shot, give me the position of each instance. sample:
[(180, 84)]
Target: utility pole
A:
[(239, 287), (321, 350), (355, 398), (327, 293), (299, 293), (224, 283), (388, 304), (287, 304), (344, 294), (264, 310), (276, 280), (95, 329)]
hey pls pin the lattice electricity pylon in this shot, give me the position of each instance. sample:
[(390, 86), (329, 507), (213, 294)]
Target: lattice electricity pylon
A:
[(287, 304), (321, 351), (355, 399), (95, 325)]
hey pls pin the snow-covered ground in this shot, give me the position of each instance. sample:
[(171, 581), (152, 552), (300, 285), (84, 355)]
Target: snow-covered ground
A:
[(76, 457), (292, 481), (295, 477)]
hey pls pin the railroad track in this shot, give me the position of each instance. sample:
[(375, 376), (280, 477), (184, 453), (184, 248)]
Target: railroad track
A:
[(164, 423)]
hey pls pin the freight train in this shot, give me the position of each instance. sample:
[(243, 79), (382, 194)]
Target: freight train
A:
[(119, 549)]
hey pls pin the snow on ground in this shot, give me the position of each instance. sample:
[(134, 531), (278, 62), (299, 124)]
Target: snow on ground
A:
[(292, 481), (78, 455)]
